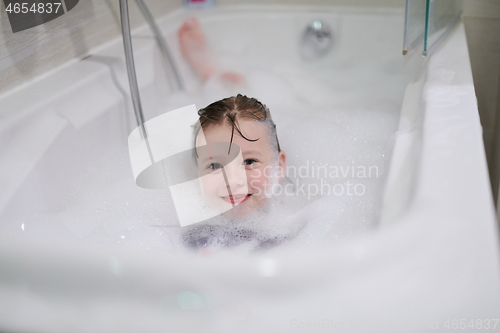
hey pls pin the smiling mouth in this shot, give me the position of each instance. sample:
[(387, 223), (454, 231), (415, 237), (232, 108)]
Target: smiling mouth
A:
[(236, 199)]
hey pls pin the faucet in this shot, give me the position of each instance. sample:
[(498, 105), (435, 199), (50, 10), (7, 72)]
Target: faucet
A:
[(316, 41)]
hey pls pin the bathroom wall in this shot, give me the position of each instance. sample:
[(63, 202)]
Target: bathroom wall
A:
[(29, 53), (482, 24)]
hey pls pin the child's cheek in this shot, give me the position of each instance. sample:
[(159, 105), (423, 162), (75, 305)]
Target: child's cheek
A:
[(211, 185), (258, 180)]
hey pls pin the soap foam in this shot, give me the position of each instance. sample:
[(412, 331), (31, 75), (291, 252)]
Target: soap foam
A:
[(338, 120), (266, 227)]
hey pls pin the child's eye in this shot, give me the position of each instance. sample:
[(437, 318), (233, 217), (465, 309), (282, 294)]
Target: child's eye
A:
[(249, 161), (215, 166)]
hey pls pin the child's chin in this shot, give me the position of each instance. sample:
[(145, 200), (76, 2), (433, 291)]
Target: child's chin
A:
[(245, 209), (238, 212)]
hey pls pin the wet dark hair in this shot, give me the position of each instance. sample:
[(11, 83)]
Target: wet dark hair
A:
[(230, 110)]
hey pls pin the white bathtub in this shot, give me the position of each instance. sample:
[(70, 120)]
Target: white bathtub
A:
[(429, 259)]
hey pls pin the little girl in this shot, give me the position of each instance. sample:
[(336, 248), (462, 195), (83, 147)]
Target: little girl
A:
[(243, 124), (237, 126), (238, 156)]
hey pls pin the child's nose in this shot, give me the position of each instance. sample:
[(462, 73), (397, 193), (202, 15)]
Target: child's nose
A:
[(236, 176)]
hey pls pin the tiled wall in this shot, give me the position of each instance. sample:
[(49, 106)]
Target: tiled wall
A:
[(27, 54), (482, 24)]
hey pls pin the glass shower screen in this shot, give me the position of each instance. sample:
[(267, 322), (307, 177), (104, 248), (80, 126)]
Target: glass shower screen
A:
[(427, 22)]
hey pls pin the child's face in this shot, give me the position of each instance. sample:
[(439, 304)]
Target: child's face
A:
[(248, 177)]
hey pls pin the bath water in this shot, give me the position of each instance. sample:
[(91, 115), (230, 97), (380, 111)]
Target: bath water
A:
[(336, 127)]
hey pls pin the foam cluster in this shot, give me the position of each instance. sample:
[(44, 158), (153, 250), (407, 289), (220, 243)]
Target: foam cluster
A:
[(338, 120)]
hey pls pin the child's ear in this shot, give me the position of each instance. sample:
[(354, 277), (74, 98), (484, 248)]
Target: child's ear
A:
[(282, 165)]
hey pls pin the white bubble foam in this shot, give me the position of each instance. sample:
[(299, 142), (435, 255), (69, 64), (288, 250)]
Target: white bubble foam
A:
[(334, 119)]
